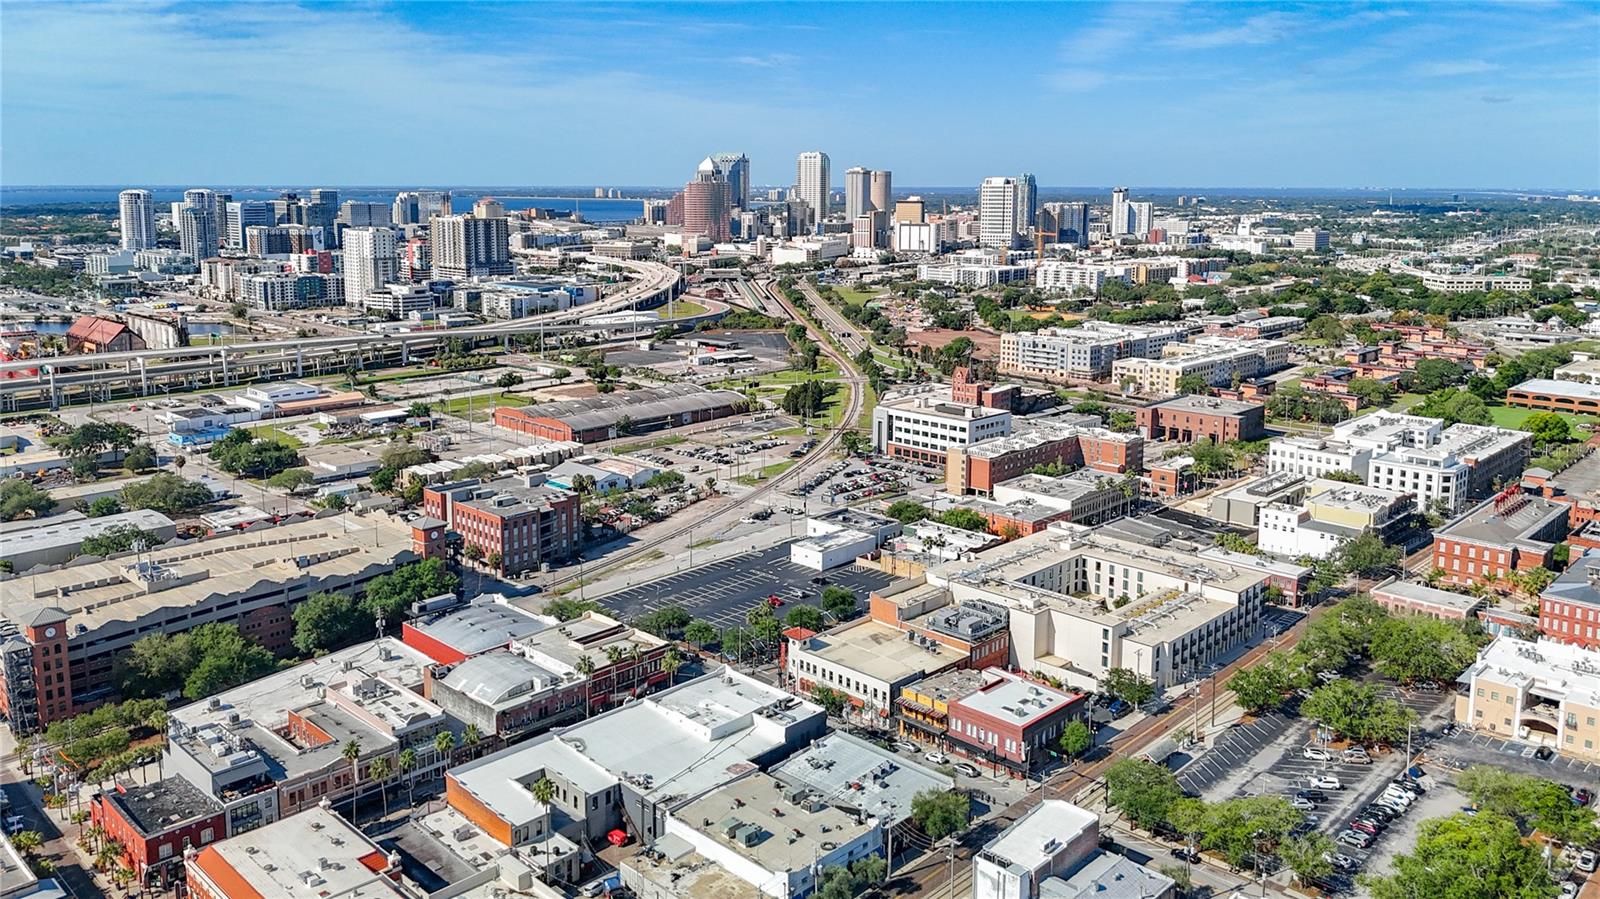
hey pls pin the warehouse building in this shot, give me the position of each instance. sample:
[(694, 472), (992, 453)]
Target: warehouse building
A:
[(610, 415)]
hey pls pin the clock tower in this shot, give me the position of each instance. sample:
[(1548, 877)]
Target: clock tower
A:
[(52, 671)]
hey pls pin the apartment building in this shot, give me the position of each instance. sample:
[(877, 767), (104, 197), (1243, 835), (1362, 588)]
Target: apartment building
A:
[(1543, 693), (1509, 532), (1086, 352), (1083, 601), (1218, 361), (1569, 609), (978, 467), (518, 523)]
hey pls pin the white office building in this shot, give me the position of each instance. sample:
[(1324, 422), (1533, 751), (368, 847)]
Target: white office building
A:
[(1056, 274), (1119, 211), (997, 213), (923, 422), (1085, 352), (1052, 839), (370, 261), (812, 184), (138, 214), (857, 192), (197, 224)]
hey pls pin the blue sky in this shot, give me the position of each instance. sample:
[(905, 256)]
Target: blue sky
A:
[(1142, 93)]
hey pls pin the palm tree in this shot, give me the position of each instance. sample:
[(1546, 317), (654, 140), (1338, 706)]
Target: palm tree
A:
[(613, 654), (378, 770), (670, 663), (406, 763), (584, 665), (352, 754), (445, 743), (24, 754), (470, 739), (27, 840), (109, 856), (81, 818), (543, 790)]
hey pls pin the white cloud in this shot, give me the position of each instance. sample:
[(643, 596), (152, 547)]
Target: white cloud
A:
[(1453, 68), (1266, 28)]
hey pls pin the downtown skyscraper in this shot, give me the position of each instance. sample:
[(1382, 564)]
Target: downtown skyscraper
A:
[(811, 183), (138, 215), (198, 232)]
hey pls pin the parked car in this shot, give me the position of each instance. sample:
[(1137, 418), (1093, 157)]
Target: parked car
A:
[(1544, 753), (1304, 805), (1410, 786), (1185, 854), (903, 746), (936, 758), (969, 770), (1355, 755), (1118, 708), (1379, 812), (1326, 782), (1582, 795), (1316, 754), (1342, 862), (1353, 838), (1367, 825), (1312, 794), (1585, 861)]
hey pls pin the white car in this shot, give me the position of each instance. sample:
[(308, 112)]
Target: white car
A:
[(1397, 796), (903, 746), (1325, 782), (1317, 754), (1585, 861), (936, 758), (1304, 805)]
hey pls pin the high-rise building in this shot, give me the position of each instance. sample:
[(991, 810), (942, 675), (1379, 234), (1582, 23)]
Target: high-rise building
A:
[(489, 208), (244, 214), (465, 246), (432, 203), (735, 169), (1140, 216), (369, 262), (406, 210), (356, 214), (321, 211), (197, 224), (707, 203), (911, 209), (812, 183), (1119, 211), (882, 190), (138, 220), (1067, 222), (997, 212), (857, 192), (1027, 201)]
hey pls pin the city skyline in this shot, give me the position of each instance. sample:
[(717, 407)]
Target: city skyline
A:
[(1265, 95)]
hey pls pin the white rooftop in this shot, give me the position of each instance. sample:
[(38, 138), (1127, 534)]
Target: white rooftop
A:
[(1053, 822), (1561, 671), (849, 772), (314, 853)]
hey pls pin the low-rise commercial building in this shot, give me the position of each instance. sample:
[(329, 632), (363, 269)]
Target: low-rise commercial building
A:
[(318, 852), (155, 823), (978, 467), (1556, 396), (635, 411), (1010, 723), (840, 537), (1083, 497), (51, 542), (517, 523), (1569, 609), (1542, 693), (1332, 513), (868, 661), (1052, 839), (1110, 876), (1509, 532), (1407, 598), (1190, 418)]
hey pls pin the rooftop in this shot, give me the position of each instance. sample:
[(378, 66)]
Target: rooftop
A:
[(853, 774), (1423, 593), (49, 534), (675, 869), (1208, 404), (1504, 519), (948, 686), (1108, 876), (509, 497), (159, 807), (1017, 700), (1560, 671), (1580, 583), (559, 645), (1051, 823), (882, 652), (936, 399), (757, 817), (479, 626), (1040, 434), (313, 853), (500, 679), (1576, 389), (243, 563), (603, 410), (1357, 497)]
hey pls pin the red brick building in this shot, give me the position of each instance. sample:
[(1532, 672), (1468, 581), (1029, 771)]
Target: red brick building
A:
[(515, 523), (977, 467), (1510, 531), (155, 823), (1012, 724), (1190, 418), (37, 686)]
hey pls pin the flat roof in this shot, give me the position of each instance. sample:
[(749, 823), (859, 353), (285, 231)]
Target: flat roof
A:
[(159, 807), (479, 626), (606, 409), (1108, 876), (238, 563), (560, 644), (499, 679), (506, 497), (1207, 404), (47, 533), (790, 837), (1503, 521), (1560, 671), (879, 651), (851, 773), (948, 686), (1052, 820), (315, 852), (1576, 389), (1014, 699), (1423, 593)]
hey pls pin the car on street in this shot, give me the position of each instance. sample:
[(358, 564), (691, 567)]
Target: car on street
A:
[(936, 758), (1354, 838), (968, 769), (1186, 854), (1316, 754), (1326, 782), (1118, 708), (903, 746)]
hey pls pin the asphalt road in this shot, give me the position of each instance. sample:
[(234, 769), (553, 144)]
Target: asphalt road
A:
[(722, 592)]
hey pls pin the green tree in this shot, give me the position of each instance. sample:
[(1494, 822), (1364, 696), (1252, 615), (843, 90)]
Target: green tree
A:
[(1307, 856), (140, 458), (965, 519), (543, 791), (1454, 406), (1461, 857), (1259, 687), (1415, 647), (1358, 712), (1142, 790), (327, 621), (1238, 828), (227, 659), (809, 617), (1547, 428), (352, 754), (567, 608), (383, 480), (1124, 684), (103, 506), (939, 813), (1371, 391), (166, 493), (508, 380), (400, 455), (1436, 374), (831, 700), (700, 632), (840, 602), (1367, 555), (907, 511), (665, 621), (292, 479), (1210, 457), (1076, 738), (19, 498), (392, 594), (117, 539), (1193, 384), (405, 763), (1544, 804)]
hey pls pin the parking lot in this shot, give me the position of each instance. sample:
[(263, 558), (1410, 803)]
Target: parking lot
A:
[(1465, 748), (723, 592), (852, 480)]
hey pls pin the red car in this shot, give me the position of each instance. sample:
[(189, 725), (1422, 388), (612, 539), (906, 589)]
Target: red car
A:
[(774, 601)]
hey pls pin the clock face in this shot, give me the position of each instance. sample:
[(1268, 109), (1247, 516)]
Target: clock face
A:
[(49, 632)]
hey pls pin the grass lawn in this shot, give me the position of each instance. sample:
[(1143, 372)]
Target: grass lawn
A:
[(768, 471), (1514, 416), (681, 309), (1406, 400), (267, 432), (869, 402), (854, 296), (786, 378), (481, 406)]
